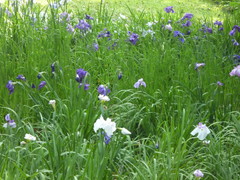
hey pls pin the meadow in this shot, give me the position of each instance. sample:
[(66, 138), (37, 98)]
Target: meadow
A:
[(97, 90)]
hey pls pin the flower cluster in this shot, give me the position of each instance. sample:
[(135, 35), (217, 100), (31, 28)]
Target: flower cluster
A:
[(70, 28), (187, 24), (21, 77), (104, 33), (133, 38), (219, 24), (65, 17), (177, 33), (169, 9), (187, 16), (83, 25)]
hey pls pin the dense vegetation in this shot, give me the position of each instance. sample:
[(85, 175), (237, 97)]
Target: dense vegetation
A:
[(154, 78)]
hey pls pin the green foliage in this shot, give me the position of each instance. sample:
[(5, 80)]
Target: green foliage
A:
[(161, 116)]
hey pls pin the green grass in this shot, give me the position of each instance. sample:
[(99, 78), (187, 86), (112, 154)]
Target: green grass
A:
[(161, 116), (201, 9)]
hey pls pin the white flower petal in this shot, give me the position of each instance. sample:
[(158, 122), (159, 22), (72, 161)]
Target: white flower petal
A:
[(99, 124), (53, 102), (195, 131), (30, 137), (110, 127), (203, 133), (125, 131), (5, 125), (103, 98)]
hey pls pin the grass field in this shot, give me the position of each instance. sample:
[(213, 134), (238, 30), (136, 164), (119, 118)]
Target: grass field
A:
[(198, 7), (127, 92)]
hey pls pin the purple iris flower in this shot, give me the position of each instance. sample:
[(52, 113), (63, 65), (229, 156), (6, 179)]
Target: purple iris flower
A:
[(112, 46), (237, 28), (70, 28), (7, 117), (219, 83), (218, 23), (187, 24), (96, 46), (220, 29), (65, 17), (42, 84), (169, 9), (209, 30), (11, 123), (80, 75), (139, 83), (235, 43), (206, 29), (10, 87), (21, 77), (89, 17), (133, 38), (187, 16), (104, 90), (182, 40), (107, 139), (236, 57), (53, 67), (39, 76), (177, 33), (83, 25), (120, 76), (33, 86), (104, 33), (86, 86), (234, 30), (199, 65)]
